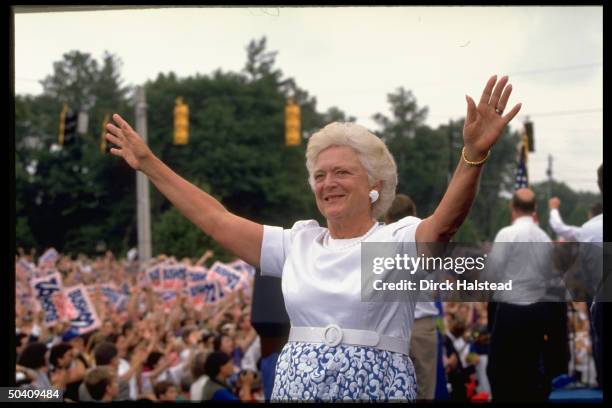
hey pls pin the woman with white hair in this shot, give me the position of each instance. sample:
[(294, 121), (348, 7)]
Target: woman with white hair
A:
[(340, 348)]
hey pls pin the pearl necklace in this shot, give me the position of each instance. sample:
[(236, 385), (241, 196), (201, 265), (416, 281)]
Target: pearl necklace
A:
[(350, 242)]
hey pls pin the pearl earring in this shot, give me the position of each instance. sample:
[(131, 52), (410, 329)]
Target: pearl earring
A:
[(374, 196)]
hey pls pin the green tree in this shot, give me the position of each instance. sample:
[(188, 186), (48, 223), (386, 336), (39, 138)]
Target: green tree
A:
[(236, 149), (419, 152), (74, 196)]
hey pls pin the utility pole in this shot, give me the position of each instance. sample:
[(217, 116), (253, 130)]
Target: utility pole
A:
[(549, 172), (142, 185)]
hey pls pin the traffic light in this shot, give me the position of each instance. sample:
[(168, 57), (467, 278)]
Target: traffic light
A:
[(181, 122), (68, 126), (529, 132), (292, 123)]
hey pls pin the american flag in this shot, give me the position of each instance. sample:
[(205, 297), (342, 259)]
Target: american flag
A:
[(521, 180)]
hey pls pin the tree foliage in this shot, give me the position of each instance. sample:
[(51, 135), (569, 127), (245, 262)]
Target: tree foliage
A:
[(74, 197)]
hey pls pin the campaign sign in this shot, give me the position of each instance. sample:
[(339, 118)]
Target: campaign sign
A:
[(196, 274), (47, 271), (112, 294), (63, 306), (220, 290), (173, 276), (242, 266), (24, 268), (49, 258), (168, 296), (44, 290), (203, 293), (154, 277), (86, 319), (229, 276)]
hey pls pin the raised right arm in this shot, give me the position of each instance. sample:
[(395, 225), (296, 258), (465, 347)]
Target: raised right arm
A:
[(238, 235), (568, 232)]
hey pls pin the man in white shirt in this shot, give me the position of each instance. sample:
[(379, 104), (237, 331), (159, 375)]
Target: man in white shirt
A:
[(564, 231), (524, 327)]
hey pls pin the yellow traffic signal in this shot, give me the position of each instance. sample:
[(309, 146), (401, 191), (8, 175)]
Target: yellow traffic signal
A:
[(529, 132), (62, 124), (292, 123), (181, 122), (67, 126)]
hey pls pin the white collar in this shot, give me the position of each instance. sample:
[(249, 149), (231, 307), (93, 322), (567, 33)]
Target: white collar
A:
[(342, 243), (524, 219)]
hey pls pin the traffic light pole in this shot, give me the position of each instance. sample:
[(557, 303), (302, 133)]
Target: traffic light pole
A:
[(142, 185)]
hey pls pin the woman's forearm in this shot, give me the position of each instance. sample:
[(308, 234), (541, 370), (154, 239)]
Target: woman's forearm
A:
[(454, 207), (238, 235), (197, 206)]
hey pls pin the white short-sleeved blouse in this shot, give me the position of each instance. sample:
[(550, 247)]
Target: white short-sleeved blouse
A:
[(322, 285)]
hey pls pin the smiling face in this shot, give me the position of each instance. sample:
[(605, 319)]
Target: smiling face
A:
[(341, 185)]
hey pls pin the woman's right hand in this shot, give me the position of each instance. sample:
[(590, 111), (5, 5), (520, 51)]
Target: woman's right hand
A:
[(129, 144)]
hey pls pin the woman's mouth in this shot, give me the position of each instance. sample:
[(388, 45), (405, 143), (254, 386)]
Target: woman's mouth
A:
[(333, 197)]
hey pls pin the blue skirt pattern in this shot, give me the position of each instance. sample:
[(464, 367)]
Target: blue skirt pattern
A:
[(317, 372)]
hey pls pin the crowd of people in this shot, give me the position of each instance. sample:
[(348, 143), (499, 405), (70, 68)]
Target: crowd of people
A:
[(145, 347), (149, 349)]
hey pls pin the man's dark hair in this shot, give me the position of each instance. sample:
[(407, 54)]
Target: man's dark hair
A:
[(104, 353), (97, 380), (600, 178), (153, 358), (217, 341), (127, 326), (58, 351), (206, 336), (596, 209), (19, 337), (161, 388), (33, 355), (112, 338), (214, 362), (402, 206), (522, 206)]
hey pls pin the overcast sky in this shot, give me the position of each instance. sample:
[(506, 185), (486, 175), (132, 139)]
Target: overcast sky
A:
[(352, 57)]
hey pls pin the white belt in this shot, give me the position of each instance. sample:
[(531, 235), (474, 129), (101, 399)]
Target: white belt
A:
[(332, 335)]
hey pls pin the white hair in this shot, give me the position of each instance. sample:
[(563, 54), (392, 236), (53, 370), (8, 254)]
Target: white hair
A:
[(372, 152)]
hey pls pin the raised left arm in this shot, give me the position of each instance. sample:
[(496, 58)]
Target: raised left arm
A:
[(483, 126)]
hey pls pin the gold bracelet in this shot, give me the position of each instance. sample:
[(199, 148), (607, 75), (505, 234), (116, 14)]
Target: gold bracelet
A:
[(474, 164)]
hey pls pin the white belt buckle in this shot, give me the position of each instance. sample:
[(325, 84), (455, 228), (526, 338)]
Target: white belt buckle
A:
[(332, 335)]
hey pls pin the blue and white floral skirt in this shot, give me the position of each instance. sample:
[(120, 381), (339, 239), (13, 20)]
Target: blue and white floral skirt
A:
[(316, 372)]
